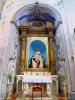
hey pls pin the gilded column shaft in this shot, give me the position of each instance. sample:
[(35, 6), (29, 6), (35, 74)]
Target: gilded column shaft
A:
[(23, 50), (51, 53), (52, 57), (23, 53)]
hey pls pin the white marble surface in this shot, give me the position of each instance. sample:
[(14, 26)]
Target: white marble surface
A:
[(37, 79)]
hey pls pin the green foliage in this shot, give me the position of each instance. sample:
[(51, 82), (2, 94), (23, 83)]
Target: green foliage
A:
[(62, 77), (10, 77)]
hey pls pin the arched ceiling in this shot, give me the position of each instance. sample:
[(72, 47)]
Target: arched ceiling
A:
[(37, 12)]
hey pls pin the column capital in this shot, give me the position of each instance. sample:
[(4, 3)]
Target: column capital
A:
[(23, 28), (23, 37)]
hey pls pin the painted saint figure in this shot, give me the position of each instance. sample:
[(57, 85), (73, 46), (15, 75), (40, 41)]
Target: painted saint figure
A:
[(37, 61)]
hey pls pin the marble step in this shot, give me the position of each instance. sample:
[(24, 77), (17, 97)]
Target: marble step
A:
[(34, 99)]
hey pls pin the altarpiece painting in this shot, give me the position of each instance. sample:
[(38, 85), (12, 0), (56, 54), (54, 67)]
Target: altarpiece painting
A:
[(37, 53)]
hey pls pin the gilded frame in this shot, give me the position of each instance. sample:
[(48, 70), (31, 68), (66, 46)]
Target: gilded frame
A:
[(47, 53)]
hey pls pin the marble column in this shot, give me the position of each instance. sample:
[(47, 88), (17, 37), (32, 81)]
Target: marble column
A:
[(49, 89), (25, 88), (55, 85)]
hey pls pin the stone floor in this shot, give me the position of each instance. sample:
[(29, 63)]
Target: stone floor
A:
[(38, 98)]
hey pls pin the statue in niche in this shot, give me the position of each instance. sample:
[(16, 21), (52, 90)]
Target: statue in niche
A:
[(37, 60)]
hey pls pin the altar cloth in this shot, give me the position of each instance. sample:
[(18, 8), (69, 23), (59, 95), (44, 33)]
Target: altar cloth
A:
[(37, 79)]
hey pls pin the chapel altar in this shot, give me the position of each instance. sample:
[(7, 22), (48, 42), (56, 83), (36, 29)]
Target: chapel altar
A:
[(44, 80), (37, 59)]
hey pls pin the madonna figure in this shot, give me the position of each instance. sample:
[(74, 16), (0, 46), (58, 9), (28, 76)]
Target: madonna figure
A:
[(37, 60)]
